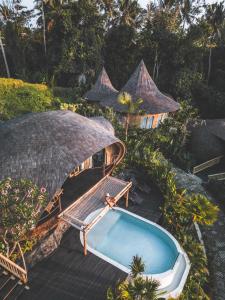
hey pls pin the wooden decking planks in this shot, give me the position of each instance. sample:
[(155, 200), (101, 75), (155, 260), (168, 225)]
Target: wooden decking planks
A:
[(69, 275)]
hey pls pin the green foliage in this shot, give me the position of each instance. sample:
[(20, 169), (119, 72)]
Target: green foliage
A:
[(135, 287), (20, 204), (80, 36), (171, 138), (211, 102), (137, 267), (180, 208), (18, 97)]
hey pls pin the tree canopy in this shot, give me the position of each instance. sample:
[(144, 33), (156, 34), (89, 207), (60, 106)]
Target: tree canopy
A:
[(65, 43)]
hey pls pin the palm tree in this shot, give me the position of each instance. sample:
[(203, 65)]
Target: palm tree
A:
[(44, 27), (130, 13), (184, 8), (137, 267), (215, 15), (125, 98), (136, 287)]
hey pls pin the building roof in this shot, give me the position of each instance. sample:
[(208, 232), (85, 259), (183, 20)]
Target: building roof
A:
[(102, 89), (216, 127), (46, 147), (141, 85), (101, 121)]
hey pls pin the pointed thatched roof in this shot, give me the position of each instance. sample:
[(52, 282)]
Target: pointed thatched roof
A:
[(141, 85), (46, 147), (216, 127), (102, 89)]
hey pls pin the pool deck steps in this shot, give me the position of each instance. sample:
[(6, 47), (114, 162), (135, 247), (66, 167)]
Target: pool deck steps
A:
[(175, 288)]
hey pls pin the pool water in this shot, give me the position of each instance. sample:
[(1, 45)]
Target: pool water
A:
[(120, 236)]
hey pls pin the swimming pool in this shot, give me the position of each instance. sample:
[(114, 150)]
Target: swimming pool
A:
[(120, 235)]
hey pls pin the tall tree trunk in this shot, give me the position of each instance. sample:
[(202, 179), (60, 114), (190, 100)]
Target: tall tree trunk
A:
[(127, 125), (4, 56), (155, 64), (44, 29), (210, 65)]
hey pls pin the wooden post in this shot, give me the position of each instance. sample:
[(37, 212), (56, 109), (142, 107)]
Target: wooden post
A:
[(85, 242), (60, 204), (126, 198)]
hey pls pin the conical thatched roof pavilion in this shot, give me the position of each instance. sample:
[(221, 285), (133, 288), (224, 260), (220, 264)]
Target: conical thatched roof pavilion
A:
[(103, 89), (46, 147), (141, 85)]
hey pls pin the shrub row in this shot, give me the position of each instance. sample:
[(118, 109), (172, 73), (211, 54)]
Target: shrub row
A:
[(18, 97)]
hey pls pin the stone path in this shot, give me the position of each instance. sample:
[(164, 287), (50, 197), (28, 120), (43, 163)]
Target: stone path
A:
[(213, 236)]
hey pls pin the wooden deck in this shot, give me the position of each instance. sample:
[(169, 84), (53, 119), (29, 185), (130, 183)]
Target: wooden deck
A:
[(69, 275)]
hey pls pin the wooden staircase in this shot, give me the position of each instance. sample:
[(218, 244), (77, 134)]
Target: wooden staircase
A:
[(10, 287)]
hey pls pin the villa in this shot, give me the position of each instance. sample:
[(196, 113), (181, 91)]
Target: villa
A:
[(155, 106), (73, 158)]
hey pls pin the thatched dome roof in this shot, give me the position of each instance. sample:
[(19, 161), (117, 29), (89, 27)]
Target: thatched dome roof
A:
[(46, 147), (102, 89), (216, 127), (141, 85), (204, 144), (105, 124)]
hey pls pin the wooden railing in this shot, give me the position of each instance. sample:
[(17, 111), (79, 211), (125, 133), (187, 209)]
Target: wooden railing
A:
[(13, 268), (218, 176), (207, 164)]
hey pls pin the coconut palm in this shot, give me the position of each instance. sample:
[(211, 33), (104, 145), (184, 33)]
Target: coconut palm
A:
[(184, 8), (129, 13), (137, 267), (136, 287), (125, 98)]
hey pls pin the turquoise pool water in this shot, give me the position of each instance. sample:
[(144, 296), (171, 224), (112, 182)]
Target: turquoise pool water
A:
[(119, 236)]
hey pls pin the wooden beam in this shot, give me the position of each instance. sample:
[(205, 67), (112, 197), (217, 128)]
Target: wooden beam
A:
[(127, 199), (207, 164), (85, 242)]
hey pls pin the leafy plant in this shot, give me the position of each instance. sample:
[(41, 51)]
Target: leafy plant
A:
[(136, 287), (20, 204), (131, 107)]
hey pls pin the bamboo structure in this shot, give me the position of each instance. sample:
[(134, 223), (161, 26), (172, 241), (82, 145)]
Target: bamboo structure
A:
[(13, 268), (94, 200)]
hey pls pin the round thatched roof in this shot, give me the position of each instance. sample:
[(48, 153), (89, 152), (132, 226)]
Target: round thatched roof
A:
[(141, 85), (216, 127), (105, 124), (102, 89), (46, 147)]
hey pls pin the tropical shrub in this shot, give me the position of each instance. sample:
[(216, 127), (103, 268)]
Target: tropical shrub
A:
[(136, 287), (180, 208), (20, 204), (18, 97), (179, 211)]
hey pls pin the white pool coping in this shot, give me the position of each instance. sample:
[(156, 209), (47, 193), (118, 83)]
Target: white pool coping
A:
[(165, 278)]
